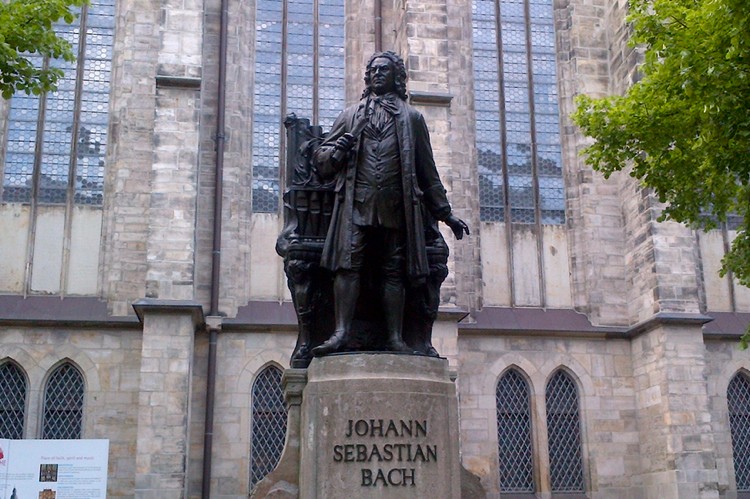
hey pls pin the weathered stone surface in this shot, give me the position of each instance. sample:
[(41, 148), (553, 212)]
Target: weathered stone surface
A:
[(379, 425), (162, 450), (471, 486), (157, 236), (678, 453)]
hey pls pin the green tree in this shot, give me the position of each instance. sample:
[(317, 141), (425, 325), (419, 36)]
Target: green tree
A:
[(684, 128), (26, 27)]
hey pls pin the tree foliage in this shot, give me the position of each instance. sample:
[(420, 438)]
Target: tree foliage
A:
[(26, 28), (684, 128)]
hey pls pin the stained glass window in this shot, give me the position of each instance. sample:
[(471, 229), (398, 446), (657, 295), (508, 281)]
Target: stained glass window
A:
[(738, 398), (514, 434), (56, 142), (299, 68), (268, 430), (62, 416), (12, 400), (564, 434), (517, 117)]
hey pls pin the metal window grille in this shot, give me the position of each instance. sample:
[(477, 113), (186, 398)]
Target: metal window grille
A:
[(738, 398), (514, 434), (564, 434), (56, 142), (268, 424), (12, 401), (517, 117), (299, 68), (63, 404)]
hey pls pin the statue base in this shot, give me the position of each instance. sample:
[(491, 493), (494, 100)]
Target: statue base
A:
[(370, 425)]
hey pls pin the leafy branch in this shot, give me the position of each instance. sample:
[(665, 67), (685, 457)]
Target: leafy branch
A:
[(27, 29), (684, 128)]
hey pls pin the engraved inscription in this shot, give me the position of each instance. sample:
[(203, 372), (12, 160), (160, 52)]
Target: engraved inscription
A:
[(417, 449), (374, 428)]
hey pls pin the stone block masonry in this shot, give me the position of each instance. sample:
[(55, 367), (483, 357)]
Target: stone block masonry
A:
[(359, 438), (165, 391)]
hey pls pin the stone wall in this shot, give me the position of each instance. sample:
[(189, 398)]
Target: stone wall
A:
[(130, 154), (661, 265), (172, 206), (110, 363), (236, 210), (603, 372), (724, 360), (653, 409), (241, 356), (145, 392), (594, 215), (653, 401), (678, 453)]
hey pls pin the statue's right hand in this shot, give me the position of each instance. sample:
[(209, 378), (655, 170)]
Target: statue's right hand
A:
[(345, 143)]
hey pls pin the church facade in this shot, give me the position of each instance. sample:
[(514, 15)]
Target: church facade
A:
[(141, 300)]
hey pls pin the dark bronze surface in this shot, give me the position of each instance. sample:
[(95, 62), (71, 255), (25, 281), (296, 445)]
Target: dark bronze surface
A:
[(363, 256)]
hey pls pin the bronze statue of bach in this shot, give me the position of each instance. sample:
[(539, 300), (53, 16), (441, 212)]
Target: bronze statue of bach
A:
[(378, 153)]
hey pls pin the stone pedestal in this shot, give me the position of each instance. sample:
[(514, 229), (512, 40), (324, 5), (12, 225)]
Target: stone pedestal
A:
[(379, 425)]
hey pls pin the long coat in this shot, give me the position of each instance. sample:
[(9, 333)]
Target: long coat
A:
[(422, 188)]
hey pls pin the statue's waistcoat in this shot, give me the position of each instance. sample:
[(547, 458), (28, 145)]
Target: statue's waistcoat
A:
[(378, 198)]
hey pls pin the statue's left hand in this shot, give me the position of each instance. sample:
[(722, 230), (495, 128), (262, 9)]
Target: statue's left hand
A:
[(457, 225)]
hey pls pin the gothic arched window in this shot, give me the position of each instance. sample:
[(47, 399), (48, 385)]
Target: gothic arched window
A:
[(564, 434), (738, 399), (299, 68), (514, 433), (62, 416), (517, 116), (268, 430), (12, 400)]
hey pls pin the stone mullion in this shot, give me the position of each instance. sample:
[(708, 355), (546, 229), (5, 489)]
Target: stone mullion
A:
[(4, 112), (73, 164), (541, 445)]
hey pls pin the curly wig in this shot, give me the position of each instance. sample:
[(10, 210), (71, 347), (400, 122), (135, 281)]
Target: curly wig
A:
[(399, 70)]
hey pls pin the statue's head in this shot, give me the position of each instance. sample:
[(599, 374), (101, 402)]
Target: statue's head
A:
[(385, 73)]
